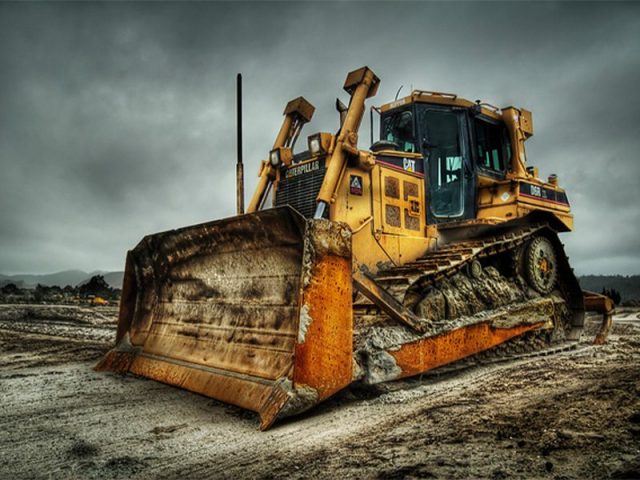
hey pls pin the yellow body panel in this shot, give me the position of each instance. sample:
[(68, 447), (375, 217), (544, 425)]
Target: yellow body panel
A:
[(385, 229), (502, 200)]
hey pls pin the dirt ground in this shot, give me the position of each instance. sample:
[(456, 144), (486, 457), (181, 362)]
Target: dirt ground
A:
[(571, 415)]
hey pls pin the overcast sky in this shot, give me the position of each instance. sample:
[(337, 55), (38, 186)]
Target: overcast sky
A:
[(118, 120)]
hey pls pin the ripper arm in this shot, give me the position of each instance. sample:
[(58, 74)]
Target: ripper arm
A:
[(596, 302)]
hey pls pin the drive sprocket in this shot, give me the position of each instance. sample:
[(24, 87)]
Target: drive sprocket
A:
[(540, 265)]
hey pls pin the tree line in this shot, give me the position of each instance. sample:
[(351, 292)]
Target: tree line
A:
[(95, 287), (613, 294)]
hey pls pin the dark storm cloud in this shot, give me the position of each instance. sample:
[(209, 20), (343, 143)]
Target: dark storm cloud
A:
[(117, 120)]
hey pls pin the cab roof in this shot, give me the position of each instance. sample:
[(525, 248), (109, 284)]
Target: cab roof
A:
[(441, 98)]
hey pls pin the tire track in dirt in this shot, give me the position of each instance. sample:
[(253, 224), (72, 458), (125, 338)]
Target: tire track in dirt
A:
[(228, 444), (67, 421), (413, 402), (356, 418)]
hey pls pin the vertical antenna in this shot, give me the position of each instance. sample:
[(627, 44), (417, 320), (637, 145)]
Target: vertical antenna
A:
[(239, 166)]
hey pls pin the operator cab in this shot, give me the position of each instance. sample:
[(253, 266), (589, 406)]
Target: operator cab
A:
[(459, 144)]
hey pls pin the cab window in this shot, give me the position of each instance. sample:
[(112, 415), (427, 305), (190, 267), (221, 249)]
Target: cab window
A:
[(446, 167), (492, 147), (398, 128)]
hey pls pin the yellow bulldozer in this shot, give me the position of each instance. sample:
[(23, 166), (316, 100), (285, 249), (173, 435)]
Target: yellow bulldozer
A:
[(349, 265)]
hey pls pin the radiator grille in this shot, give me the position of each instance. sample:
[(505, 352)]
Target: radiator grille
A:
[(300, 190)]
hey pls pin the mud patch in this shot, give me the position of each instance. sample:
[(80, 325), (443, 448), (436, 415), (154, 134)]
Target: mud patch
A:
[(301, 398), (82, 449), (167, 429), (463, 296), (380, 367), (125, 465), (305, 321)]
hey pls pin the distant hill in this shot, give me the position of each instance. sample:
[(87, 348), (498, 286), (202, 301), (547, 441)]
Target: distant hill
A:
[(66, 277), (628, 286), (114, 279), (61, 279)]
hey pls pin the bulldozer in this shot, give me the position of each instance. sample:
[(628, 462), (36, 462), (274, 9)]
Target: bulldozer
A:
[(437, 243)]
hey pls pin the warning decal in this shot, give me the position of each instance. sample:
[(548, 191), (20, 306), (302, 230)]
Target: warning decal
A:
[(355, 185)]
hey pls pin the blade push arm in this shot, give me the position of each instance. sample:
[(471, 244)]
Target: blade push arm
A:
[(297, 112), (361, 84)]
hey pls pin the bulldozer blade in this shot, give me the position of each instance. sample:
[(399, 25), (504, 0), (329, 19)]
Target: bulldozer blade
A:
[(253, 310)]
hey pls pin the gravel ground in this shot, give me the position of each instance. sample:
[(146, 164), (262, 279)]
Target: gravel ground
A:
[(570, 415), (35, 335)]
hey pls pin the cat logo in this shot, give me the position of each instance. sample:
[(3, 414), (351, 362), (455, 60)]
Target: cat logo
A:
[(409, 164), (355, 185)]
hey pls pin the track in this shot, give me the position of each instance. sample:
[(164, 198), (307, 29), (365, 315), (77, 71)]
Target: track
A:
[(449, 260), (444, 291), (404, 282)]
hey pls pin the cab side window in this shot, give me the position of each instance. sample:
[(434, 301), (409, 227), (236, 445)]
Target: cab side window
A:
[(398, 128), (492, 146)]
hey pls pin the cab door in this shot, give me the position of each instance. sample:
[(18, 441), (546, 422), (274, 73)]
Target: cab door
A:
[(450, 179)]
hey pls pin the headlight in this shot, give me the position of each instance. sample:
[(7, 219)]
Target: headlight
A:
[(314, 145), (274, 157), (318, 143)]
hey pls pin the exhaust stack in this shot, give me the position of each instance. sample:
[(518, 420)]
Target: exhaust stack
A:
[(239, 166)]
